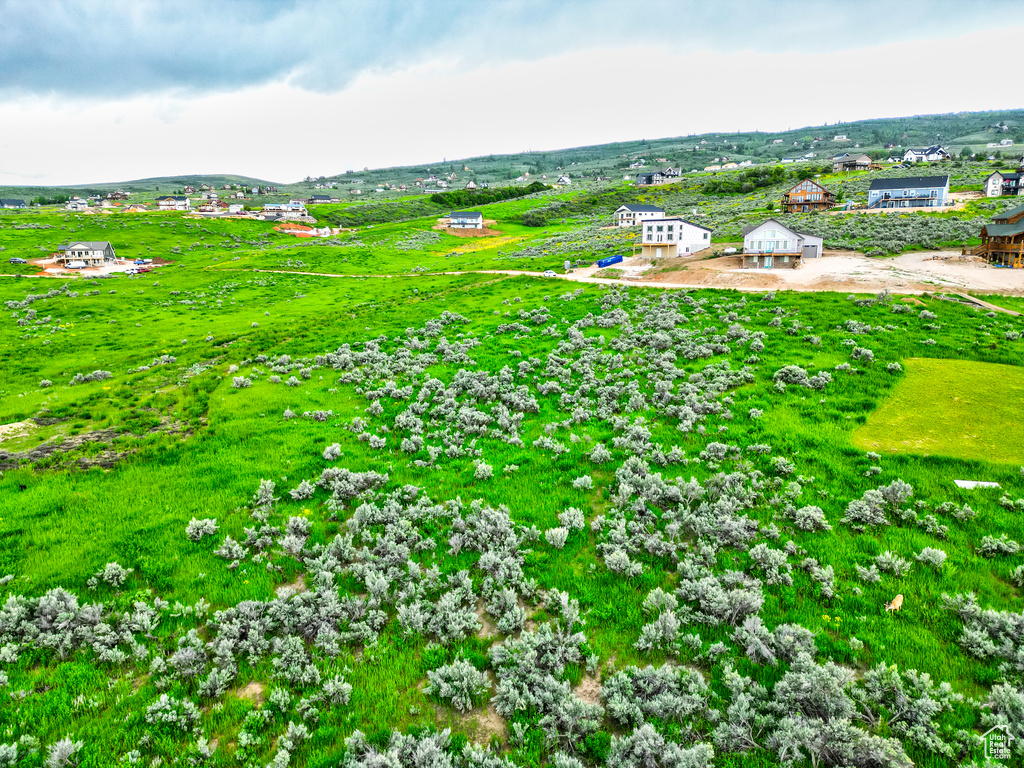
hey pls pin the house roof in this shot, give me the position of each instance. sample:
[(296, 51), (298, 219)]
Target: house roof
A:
[(466, 214), (176, 198), (1004, 230), (928, 150), (11, 201), (92, 245), (808, 181), (1007, 215), (748, 229), (910, 182), (641, 208), (680, 219)]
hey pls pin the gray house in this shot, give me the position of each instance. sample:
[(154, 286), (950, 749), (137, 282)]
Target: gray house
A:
[(909, 192), (773, 245), (10, 202)]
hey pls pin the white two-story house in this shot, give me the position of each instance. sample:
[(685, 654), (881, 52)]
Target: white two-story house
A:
[(466, 220), (673, 237), (926, 155), (631, 215)]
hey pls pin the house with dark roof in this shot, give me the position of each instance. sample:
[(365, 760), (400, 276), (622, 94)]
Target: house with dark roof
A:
[(909, 192), (926, 155), (773, 245), (673, 237), (1002, 183), (92, 252), (466, 220), (1002, 240), (630, 215), (806, 196), (657, 177), (848, 162), (10, 202)]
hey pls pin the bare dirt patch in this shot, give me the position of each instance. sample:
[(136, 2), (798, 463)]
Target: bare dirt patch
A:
[(847, 271), (490, 724), (485, 231), (487, 627), (253, 692), (589, 690)]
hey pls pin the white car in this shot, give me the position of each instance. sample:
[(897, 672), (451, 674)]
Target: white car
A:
[(550, 273)]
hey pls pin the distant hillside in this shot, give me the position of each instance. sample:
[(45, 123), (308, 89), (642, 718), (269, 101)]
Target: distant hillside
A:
[(956, 131), (156, 185)]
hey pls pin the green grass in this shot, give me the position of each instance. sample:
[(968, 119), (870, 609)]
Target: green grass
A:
[(193, 446), (957, 408)]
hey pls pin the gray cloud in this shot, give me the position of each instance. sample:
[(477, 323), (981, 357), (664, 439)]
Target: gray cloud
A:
[(118, 48)]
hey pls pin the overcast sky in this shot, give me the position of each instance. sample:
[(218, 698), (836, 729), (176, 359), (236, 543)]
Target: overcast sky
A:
[(108, 90)]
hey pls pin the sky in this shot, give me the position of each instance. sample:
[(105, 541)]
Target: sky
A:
[(111, 90)]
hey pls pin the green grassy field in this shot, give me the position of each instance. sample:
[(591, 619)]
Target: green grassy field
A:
[(193, 418), (956, 408)]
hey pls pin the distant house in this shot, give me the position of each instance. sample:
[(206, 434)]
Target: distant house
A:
[(777, 141), (673, 237), (909, 192), (772, 245), (466, 220), (563, 180), (235, 208), (840, 137), (630, 215), (189, 190), (93, 253), (117, 195), (848, 162), (657, 177), (470, 184), (77, 204), (12, 202), (1002, 241), (926, 155), (1003, 183), (174, 203), (319, 199), (807, 196)]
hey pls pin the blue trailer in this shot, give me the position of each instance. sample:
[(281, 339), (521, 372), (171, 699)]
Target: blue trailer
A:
[(609, 261)]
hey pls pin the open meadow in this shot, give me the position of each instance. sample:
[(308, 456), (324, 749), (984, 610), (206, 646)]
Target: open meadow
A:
[(252, 514)]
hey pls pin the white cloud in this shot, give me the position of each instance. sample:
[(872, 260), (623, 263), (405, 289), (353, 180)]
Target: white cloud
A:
[(440, 108)]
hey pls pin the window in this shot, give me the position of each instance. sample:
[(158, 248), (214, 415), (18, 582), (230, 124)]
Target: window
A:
[(705, 235), (669, 236), (660, 228), (671, 227)]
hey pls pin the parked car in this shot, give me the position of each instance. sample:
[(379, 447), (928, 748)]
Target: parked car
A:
[(132, 271), (16, 260), (77, 265), (139, 261), (550, 273)]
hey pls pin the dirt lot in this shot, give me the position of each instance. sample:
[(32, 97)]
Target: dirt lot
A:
[(835, 271)]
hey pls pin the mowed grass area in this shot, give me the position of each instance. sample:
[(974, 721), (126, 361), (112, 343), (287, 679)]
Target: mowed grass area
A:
[(959, 408)]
